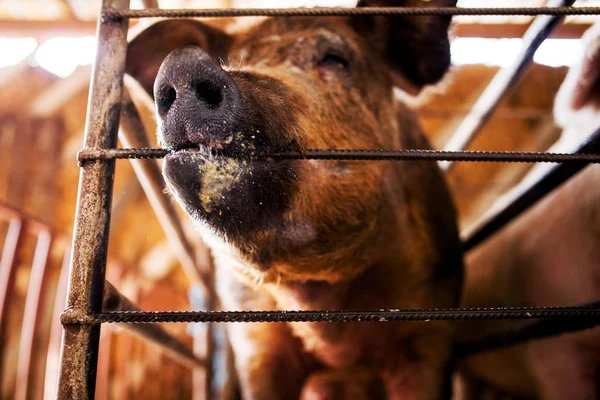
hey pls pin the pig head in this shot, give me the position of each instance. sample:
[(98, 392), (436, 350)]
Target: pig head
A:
[(312, 234)]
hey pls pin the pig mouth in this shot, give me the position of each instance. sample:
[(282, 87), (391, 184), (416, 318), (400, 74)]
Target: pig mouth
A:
[(232, 189)]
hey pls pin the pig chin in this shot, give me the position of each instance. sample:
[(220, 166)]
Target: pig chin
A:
[(234, 197)]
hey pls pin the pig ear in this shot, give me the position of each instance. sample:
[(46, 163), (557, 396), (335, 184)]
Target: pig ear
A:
[(148, 49), (417, 47)]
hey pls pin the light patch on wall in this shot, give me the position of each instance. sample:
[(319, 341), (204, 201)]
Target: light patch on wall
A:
[(15, 50), (294, 3), (63, 55), (559, 52), (503, 52)]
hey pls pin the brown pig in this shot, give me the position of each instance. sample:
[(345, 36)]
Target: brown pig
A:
[(304, 235), (549, 256)]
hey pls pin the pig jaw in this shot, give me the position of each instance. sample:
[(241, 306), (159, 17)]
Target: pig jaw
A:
[(233, 197)]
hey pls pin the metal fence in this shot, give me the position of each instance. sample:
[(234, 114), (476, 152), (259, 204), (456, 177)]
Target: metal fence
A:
[(91, 301)]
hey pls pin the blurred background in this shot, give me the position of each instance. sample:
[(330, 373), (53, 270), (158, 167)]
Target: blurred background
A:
[(46, 51)]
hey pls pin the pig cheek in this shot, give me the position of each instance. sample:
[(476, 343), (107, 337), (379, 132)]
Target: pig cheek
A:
[(299, 233)]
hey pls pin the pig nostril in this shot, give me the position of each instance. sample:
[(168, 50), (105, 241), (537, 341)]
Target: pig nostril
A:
[(209, 93), (167, 98)]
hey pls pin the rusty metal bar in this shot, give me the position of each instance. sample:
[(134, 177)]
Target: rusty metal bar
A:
[(8, 267), (104, 359), (524, 333), (201, 377), (330, 12), (363, 155), (203, 336), (569, 30), (503, 81), (133, 134), (115, 301), (79, 349), (52, 357), (125, 355), (113, 274), (381, 315), (29, 356)]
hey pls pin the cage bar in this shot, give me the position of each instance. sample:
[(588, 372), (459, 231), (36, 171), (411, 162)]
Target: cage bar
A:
[(365, 155), (536, 330), (114, 301), (50, 384), (276, 316), (79, 349), (481, 112), (30, 353), (8, 267), (331, 12), (133, 134)]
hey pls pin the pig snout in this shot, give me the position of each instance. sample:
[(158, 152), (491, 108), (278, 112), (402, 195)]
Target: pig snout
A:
[(197, 102), (215, 133)]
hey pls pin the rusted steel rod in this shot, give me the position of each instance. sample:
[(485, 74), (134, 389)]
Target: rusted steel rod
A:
[(103, 382), (323, 12), (79, 350), (96, 154), (114, 302), (133, 134), (53, 353), (8, 269), (503, 81), (449, 314), (524, 333), (30, 353), (551, 180)]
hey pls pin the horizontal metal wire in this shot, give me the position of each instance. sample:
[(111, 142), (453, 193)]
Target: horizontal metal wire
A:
[(346, 316), (108, 15), (531, 331), (92, 154)]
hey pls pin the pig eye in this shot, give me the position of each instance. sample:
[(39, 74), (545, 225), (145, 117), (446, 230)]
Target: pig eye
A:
[(332, 60)]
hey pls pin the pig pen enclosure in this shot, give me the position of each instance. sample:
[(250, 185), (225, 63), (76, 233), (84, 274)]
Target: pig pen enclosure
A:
[(114, 112)]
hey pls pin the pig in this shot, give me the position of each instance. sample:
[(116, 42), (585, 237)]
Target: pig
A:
[(549, 256), (306, 234)]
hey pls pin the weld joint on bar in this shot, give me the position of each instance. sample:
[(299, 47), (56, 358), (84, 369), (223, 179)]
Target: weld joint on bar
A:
[(90, 154), (73, 316)]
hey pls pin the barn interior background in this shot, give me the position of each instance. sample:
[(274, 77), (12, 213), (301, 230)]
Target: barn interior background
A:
[(46, 48)]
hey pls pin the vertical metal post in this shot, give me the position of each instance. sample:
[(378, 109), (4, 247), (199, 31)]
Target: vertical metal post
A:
[(29, 349), (133, 134), (8, 267), (79, 349), (481, 112), (106, 341), (56, 329)]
